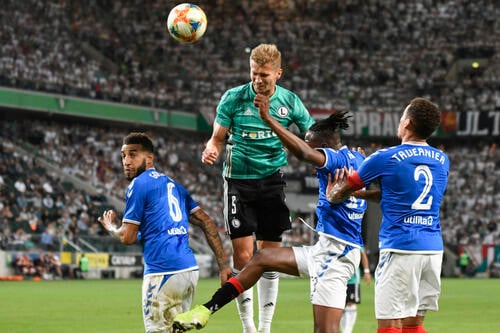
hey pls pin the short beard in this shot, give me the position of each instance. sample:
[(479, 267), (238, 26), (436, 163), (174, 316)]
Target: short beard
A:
[(139, 170)]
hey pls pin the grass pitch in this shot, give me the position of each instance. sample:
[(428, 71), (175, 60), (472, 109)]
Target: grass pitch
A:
[(108, 306)]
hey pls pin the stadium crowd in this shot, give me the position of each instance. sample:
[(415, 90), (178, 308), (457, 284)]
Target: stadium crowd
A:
[(372, 55), (37, 200), (92, 155)]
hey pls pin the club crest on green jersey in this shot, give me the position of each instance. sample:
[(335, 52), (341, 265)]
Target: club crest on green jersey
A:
[(283, 111)]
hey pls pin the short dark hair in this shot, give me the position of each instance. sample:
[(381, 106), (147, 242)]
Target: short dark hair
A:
[(139, 138), (425, 117)]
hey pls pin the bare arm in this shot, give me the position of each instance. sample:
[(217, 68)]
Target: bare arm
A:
[(373, 195), (205, 222), (214, 145), (126, 233), (366, 267), (294, 144)]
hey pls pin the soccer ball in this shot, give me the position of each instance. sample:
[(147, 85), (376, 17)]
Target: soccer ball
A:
[(186, 23)]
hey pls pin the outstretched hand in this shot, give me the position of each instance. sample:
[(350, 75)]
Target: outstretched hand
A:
[(108, 220)]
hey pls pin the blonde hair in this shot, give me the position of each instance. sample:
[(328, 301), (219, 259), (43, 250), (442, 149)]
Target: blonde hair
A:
[(266, 54)]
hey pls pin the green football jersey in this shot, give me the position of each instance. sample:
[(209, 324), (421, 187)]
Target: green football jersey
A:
[(253, 150)]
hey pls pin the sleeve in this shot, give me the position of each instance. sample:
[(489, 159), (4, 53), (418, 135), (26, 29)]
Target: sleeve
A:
[(191, 205), (372, 168), (302, 118), (331, 159), (224, 114), (135, 199)]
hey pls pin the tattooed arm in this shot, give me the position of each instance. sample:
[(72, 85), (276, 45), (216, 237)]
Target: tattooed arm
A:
[(207, 224)]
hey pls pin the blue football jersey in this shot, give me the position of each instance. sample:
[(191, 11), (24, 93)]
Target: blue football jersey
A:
[(161, 207), (341, 221), (413, 180)]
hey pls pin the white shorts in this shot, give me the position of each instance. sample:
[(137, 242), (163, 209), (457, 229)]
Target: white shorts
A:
[(165, 296), (329, 264), (407, 284)]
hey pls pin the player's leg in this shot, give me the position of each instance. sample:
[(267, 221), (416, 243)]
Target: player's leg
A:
[(350, 311), (267, 291), (414, 325), (428, 292), (243, 249), (278, 259), (273, 218), (329, 264), (326, 319), (397, 289), (385, 326), (241, 223), (165, 296), (385, 309), (349, 317)]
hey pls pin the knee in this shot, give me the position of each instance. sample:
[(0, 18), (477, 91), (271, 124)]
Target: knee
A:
[(241, 258), (262, 257)]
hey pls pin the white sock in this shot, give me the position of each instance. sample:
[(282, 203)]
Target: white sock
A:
[(348, 318), (342, 322), (267, 288), (244, 304)]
